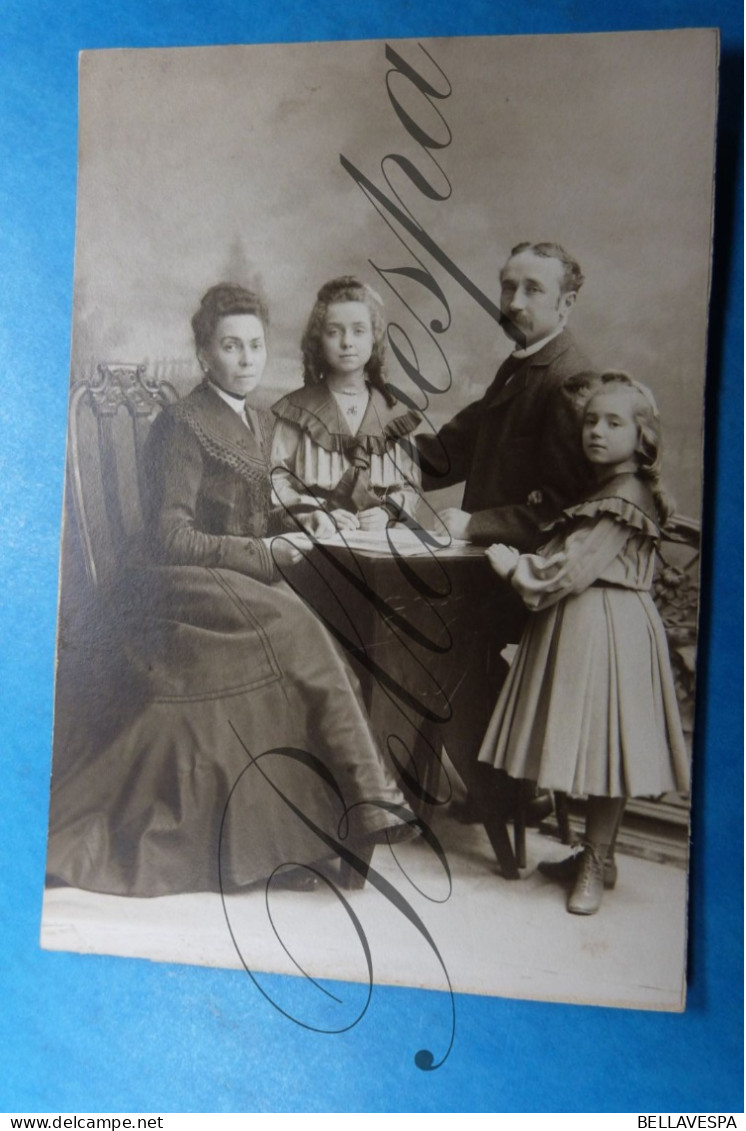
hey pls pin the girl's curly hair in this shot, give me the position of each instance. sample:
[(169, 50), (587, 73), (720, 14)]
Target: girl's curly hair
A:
[(649, 438), (346, 289)]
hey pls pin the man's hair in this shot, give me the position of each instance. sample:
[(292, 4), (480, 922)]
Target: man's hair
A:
[(572, 278)]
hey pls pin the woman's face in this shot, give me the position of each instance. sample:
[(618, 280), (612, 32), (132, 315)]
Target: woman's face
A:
[(237, 353)]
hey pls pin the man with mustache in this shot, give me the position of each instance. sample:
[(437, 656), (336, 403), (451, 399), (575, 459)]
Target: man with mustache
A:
[(518, 452)]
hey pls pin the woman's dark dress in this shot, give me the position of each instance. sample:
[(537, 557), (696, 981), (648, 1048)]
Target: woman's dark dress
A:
[(231, 664)]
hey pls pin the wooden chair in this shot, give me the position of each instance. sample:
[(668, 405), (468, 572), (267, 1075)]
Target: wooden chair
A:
[(110, 417)]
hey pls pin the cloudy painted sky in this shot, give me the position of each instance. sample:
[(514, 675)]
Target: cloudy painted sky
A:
[(203, 164)]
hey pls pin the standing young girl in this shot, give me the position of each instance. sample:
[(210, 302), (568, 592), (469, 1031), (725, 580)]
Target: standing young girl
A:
[(589, 706), (336, 459)]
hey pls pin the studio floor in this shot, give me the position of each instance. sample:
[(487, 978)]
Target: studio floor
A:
[(415, 925)]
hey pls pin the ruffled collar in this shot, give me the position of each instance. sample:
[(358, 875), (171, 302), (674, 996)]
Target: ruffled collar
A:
[(314, 410), (625, 498)]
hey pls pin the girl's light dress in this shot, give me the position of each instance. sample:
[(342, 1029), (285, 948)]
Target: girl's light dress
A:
[(589, 705), (317, 459)]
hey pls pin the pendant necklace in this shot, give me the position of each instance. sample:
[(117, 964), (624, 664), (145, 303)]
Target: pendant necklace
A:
[(361, 397)]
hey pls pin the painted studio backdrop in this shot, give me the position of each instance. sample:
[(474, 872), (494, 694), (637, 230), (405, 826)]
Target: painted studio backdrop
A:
[(415, 167)]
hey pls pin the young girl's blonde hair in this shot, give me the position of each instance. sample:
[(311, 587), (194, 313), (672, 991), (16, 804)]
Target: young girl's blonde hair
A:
[(649, 439), (346, 289)]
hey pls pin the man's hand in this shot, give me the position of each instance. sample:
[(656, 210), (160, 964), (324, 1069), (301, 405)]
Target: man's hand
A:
[(503, 559), (374, 518), (456, 522)]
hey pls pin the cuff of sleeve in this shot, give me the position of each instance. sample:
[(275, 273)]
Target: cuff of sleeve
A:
[(401, 503), (305, 507), (261, 561), (393, 507)]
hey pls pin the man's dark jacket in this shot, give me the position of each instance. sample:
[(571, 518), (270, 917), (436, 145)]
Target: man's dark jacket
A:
[(522, 436)]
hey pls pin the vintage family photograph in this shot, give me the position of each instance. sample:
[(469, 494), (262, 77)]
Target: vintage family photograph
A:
[(380, 556)]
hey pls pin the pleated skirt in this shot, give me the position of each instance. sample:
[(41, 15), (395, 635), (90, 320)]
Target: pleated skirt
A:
[(589, 705)]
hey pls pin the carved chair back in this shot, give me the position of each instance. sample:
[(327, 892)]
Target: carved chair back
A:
[(110, 416)]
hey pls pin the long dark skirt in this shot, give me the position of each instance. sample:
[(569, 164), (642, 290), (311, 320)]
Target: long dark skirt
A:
[(242, 744)]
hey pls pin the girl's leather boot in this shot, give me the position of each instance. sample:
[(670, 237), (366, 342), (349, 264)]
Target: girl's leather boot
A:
[(588, 890)]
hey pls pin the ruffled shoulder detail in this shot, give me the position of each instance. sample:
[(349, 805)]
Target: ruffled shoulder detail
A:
[(624, 498), (314, 411), (621, 510), (221, 435)]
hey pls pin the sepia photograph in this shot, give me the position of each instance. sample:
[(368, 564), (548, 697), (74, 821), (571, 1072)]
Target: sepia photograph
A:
[(380, 562)]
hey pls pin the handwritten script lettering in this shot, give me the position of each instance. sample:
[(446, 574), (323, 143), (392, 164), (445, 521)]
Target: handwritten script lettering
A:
[(393, 636), (336, 847)]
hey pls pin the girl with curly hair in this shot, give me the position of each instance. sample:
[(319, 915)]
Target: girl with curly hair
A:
[(341, 455), (589, 706)]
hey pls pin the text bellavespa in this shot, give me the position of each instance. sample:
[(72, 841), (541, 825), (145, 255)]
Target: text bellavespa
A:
[(692, 1121)]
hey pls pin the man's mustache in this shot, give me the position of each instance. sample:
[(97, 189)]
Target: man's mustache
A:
[(514, 332)]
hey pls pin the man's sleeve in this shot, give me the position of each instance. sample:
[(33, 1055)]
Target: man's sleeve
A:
[(562, 473), (445, 457), (517, 525)]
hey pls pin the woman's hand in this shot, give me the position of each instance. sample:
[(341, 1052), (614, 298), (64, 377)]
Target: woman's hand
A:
[(503, 559), (374, 518), (288, 553)]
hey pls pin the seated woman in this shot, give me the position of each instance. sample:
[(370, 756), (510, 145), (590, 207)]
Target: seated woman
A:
[(249, 748)]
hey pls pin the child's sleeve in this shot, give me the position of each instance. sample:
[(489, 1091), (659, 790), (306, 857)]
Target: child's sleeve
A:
[(569, 565), (404, 495), (289, 492)]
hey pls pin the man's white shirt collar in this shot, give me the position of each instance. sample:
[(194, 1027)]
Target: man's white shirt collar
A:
[(530, 350)]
